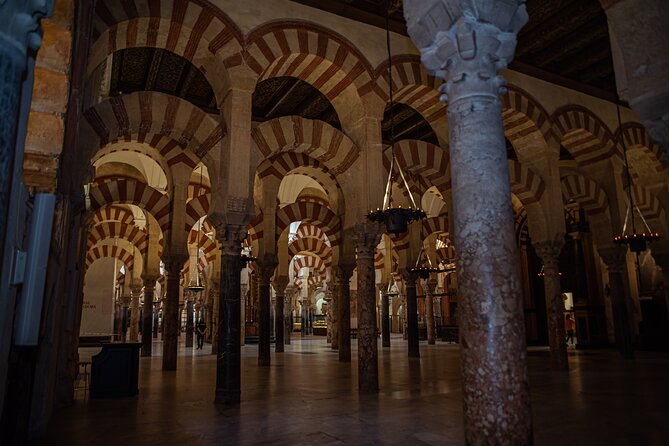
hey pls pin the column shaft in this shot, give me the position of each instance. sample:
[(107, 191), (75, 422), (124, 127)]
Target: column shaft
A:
[(171, 314), (367, 236), (228, 362), (266, 269), (412, 315), (385, 320), (334, 316), (345, 313), (147, 318), (429, 285), (189, 322), (134, 315)]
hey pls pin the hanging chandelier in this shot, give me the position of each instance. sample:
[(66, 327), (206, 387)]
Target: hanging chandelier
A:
[(637, 242), (424, 265), (396, 219)]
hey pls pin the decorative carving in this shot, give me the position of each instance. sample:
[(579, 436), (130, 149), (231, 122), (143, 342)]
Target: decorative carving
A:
[(466, 43), (549, 251), (614, 258), (237, 204), (366, 237)]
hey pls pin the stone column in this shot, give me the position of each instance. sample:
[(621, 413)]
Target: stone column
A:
[(228, 362), (156, 318), (173, 267), (289, 313), (280, 284), (342, 275), (334, 314), (409, 279), (215, 294), (549, 252), (147, 315), (385, 319), (367, 236), (467, 44), (429, 285), (615, 259), (189, 320), (135, 291)]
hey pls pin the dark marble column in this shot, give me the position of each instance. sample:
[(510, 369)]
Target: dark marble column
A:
[(429, 285), (549, 252), (288, 313), (189, 321), (615, 259), (367, 236), (409, 279), (147, 315), (467, 46), (385, 319), (279, 285), (342, 275), (265, 272), (173, 267), (228, 361), (156, 318)]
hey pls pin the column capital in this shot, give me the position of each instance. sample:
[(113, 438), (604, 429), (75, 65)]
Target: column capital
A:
[(409, 277), (280, 283), (174, 264), (466, 43), (614, 257), (366, 237), (266, 268), (230, 236), (549, 250), (342, 273)]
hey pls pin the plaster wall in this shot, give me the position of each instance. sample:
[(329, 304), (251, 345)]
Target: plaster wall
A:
[(98, 309)]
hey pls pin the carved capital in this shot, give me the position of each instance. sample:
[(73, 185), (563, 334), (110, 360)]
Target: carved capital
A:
[(230, 236), (266, 268), (366, 237), (342, 273), (174, 264), (614, 258), (549, 250), (466, 43), (279, 284), (408, 277)]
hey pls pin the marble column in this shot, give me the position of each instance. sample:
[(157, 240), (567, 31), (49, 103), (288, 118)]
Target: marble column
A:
[(279, 284), (549, 252), (342, 275), (135, 291), (156, 318), (366, 237), (429, 285), (189, 321), (409, 279), (615, 259), (173, 267), (215, 293), (289, 313), (147, 315), (228, 361), (466, 44), (385, 319)]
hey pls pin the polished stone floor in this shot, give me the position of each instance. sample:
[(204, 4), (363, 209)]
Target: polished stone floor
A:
[(308, 397)]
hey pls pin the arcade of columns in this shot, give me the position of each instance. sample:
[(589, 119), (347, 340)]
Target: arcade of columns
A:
[(221, 176)]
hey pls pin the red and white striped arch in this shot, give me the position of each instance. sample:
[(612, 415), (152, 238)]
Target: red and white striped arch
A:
[(132, 192), (311, 53), (526, 184), (110, 230), (180, 131), (100, 251), (433, 225), (312, 137), (311, 213), (309, 261), (584, 135), (523, 117), (414, 87), (309, 230), (113, 214), (311, 246), (586, 192), (648, 204), (208, 246), (635, 136), (194, 29), (142, 144), (195, 209), (425, 160)]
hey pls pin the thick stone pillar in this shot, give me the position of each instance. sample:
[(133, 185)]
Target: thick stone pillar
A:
[(135, 291), (467, 44), (266, 270), (288, 321), (409, 279), (367, 236), (173, 267), (215, 294), (156, 318), (147, 315), (549, 252), (228, 362), (385, 319), (615, 259), (334, 314), (189, 321), (342, 275), (280, 284), (429, 285)]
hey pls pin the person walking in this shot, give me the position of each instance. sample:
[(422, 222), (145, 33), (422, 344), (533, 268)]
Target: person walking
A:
[(200, 330), (570, 328)]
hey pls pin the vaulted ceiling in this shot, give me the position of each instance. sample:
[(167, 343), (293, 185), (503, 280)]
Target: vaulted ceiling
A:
[(564, 40)]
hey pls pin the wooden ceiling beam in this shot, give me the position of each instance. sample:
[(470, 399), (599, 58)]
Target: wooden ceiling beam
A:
[(594, 53)]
